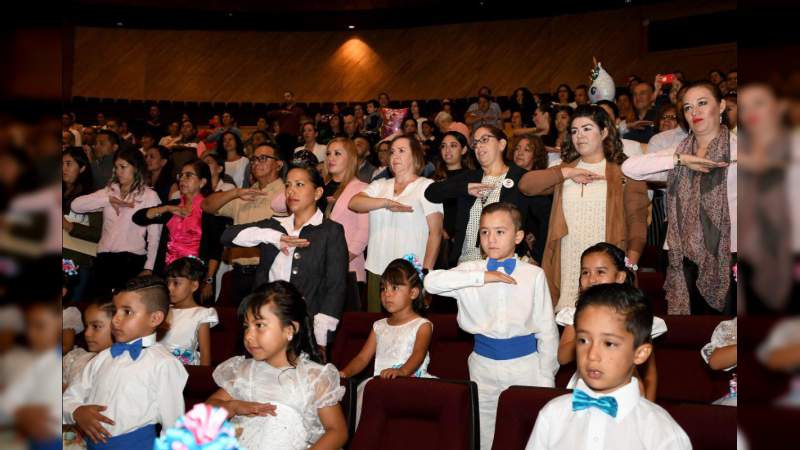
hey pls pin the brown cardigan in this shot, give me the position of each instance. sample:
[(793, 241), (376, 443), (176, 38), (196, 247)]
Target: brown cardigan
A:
[(626, 215)]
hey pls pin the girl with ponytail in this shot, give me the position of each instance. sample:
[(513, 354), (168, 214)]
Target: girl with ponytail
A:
[(283, 378)]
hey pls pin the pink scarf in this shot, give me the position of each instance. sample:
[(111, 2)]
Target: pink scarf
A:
[(185, 232)]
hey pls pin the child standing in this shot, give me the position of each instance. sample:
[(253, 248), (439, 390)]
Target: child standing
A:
[(189, 335), (126, 389), (606, 411), (508, 311), (720, 354), (282, 397), (600, 264), (400, 342)]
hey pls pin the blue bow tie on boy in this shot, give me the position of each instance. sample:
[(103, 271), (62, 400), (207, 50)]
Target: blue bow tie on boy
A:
[(507, 264), (134, 349), (582, 400)]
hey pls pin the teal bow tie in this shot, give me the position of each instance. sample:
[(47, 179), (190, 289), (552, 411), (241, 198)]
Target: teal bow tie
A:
[(582, 400)]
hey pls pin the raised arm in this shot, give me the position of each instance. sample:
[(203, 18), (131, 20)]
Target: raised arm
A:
[(93, 202)]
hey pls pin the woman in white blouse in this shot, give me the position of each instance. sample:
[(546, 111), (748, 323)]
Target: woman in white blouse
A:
[(401, 220), (701, 205)]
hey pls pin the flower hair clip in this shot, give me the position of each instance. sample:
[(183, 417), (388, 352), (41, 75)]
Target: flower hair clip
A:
[(196, 259), (69, 267), (412, 258), (630, 265)]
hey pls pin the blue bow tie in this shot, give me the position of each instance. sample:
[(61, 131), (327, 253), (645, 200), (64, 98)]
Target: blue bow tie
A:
[(582, 400), (134, 349), (508, 265)]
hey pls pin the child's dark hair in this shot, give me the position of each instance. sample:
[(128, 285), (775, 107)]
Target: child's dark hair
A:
[(625, 300), (616, 255), (151, 289), (288, 304), (400, 272), (104, 305), (510, 208), (187, 267)]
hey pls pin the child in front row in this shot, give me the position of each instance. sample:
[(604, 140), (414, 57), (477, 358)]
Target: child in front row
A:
[(605, 410), (128, 388), (506, 304), (720, 354), (400, 342), (605, 263), (98, 338), (189, 335), (282, 397)]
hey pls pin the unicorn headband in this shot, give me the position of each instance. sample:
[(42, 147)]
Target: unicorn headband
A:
[(412, 258)]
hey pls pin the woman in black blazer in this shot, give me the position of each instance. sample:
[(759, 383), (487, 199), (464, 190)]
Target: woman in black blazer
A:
[(304, 249), (495, 181)]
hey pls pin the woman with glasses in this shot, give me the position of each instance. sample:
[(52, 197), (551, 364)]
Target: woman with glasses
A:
[(184, 221), (667, 118), (592, 202), (496, 180)]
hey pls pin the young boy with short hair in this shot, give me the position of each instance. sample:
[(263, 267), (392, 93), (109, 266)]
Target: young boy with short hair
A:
[(128, 388), (606, 410), (505, 303)]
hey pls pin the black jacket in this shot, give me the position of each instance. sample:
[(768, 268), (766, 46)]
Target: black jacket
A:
[(319, 271), (535, 210)]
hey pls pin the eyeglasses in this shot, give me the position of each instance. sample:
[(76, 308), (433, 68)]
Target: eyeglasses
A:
[(484, 140), (183, 175), (263, 158), (669, 117)]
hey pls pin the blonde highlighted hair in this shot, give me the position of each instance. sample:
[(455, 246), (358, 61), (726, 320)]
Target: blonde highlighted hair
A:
[(352, 162)]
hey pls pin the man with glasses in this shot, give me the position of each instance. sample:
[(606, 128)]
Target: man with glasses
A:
[(246, 205)]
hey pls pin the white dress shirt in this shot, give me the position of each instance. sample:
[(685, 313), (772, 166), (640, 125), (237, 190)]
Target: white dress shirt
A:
[(37, 384), (639, 424), (502, 310), (281, 268), (136, 393)]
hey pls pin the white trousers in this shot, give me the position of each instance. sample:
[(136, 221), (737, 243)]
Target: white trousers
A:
[(493, 377)]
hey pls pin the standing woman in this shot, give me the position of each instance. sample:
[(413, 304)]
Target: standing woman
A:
[(125, 249), (236, 163), (80, 231), (592, 202), (528, 152), (159, 171), (496, 180), (701, 205), (304, 249), (454, 160), (401, 219)]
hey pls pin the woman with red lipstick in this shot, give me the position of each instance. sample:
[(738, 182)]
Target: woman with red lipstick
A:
[(701, 205), (305, 249), (592, 202)]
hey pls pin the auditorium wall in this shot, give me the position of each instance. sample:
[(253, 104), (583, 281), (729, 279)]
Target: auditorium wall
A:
[(424, 62)]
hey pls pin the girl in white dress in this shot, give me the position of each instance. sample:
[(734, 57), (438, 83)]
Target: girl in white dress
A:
[(720, 354), (282, 397), (605, 263), (400, 342), (189, 335), (98, 338)]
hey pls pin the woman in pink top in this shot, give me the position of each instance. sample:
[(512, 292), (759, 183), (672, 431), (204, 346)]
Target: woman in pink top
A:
[(125, 249)]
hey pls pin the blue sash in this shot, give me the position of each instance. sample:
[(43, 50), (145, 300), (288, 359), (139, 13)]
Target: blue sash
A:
[(54, 444), (139, 439), (502, 349)]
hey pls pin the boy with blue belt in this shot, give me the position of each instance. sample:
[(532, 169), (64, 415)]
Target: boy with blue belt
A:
[(506, 304)]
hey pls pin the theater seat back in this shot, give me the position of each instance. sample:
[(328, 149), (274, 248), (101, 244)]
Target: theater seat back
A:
[(709, 427), (517, 411), (199, 386), (353, 331), (418, 413), (226, 336), (450, 348)]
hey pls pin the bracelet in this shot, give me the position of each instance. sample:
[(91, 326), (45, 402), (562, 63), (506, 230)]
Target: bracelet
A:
[(677, 159)]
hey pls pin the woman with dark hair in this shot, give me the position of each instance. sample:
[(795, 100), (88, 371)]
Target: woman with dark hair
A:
[(304, 248), (454, 159), (236, 163), (522, 102), (592, 202), (159, 170), (125, 249), (626, 111), (565, 96), (80, 231), (187, 230), (701, 205)]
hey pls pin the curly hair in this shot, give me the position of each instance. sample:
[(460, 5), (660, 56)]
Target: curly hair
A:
[(612, 144)]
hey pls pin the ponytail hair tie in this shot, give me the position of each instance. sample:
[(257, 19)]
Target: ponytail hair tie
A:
[(196, 259), (412, 258)]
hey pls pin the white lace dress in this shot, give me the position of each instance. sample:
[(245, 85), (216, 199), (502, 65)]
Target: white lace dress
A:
[(395, 343), (297, 392), (724, 335), (567, 317), (72, 364), (181, 339), (784, 333)]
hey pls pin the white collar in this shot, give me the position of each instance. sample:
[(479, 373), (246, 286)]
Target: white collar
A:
[(147, 341), (627, 396), (288, 221)]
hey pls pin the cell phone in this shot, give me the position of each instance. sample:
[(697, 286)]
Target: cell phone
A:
[(666, 79)]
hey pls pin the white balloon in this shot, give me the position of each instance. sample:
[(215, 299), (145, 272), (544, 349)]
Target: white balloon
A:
[(602, 87)]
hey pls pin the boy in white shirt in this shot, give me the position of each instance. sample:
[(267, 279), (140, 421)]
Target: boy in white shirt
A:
[(506, 304), (128, 388), (606, 410)]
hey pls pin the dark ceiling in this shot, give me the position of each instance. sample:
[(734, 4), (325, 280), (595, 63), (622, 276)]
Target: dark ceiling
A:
[(318, 14)]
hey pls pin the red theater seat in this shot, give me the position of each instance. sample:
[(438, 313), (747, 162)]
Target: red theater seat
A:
[(652, 284), (517, 410), (226, 336), (418, 413), (710, 427), (763, 385), (769, 427), (199, 386), (450, 348), (354, 329)]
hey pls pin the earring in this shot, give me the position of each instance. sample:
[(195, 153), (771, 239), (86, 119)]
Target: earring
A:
[(290, 337)]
